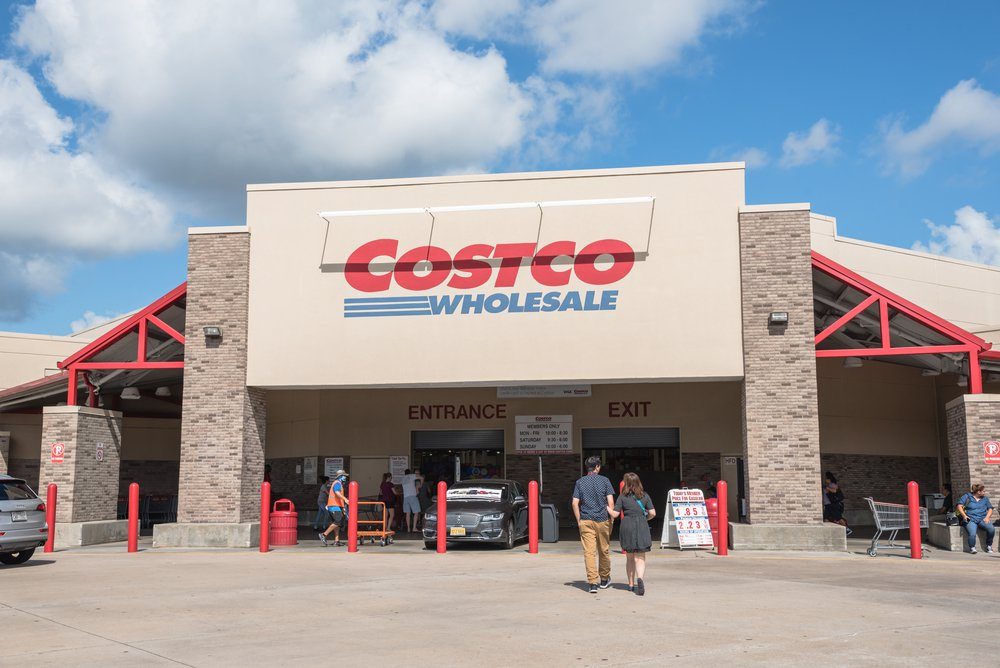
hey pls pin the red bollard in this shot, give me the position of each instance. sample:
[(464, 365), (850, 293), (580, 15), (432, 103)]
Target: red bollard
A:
[(532, 517), (712, 508), (50, 517), (133, 517), (442, 517), (265, 517), (722, 494), (352, 517), (913, 501)]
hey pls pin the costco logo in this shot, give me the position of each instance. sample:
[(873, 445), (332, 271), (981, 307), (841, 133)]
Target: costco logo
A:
[(377, 265)]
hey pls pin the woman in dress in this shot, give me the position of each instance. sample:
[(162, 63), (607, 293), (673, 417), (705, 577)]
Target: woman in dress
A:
[(637, 509)]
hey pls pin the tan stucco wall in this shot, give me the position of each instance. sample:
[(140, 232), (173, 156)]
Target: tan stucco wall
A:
[(678, 313), (25, 433), (878, 409), (963, 293), (142, 438), (27, 357), (376, 422)]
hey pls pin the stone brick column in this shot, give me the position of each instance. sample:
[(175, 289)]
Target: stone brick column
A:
[(971, 420), (88, 475), (4, 451), (223, 421), (779, 399)]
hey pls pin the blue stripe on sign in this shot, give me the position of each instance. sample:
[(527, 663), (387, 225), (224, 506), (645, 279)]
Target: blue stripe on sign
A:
[(374, 314), (382, 300), (382, 307)]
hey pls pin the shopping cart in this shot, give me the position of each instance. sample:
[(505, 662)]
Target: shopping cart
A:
[(891, 517), (373, 523)]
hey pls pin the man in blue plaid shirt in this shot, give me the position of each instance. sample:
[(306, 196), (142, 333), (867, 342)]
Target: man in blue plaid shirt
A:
[(592, 496)]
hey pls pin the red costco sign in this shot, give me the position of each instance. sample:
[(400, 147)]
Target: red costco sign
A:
[(991, 452), (58, 453)]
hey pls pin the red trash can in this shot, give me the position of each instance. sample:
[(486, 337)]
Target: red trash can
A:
[(712, 508), (284, 523)]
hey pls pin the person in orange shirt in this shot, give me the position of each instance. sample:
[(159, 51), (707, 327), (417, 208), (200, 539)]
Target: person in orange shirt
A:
[(336, 505)]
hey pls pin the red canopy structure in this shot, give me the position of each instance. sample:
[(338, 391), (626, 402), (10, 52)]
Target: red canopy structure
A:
[(856, 317), (150, 340)]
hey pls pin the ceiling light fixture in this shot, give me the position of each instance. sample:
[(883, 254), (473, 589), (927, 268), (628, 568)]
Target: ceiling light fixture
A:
[(853, 362)]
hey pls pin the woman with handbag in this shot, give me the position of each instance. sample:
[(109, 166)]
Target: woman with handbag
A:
[(636, 509)]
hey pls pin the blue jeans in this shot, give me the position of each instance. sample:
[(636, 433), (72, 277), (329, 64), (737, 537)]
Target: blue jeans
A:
[(322, 520), (971, 528)]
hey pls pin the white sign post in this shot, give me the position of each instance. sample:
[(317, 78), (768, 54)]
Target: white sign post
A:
[(686, 524), (544, 435)]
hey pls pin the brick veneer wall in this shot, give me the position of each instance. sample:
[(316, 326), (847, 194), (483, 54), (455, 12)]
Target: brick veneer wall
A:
[(560, 474), (5, 438), (28, 470), (88, 488), (696, 464), (779, 398), (222, 426), (971, 420), (287, 483), (881, 477), (154, 476)]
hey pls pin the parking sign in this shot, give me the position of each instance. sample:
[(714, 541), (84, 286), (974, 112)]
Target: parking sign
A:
[(991, 452)]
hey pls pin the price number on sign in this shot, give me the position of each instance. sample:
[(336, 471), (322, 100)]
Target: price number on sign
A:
[(693, 524)]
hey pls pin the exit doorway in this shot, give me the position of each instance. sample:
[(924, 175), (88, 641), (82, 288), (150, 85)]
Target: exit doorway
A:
[(654, 453)]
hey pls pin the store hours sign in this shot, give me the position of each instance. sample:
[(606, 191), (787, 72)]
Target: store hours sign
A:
[(544, 435)]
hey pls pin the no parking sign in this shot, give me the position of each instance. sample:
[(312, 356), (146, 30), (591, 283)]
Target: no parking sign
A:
[(991, 452), (58, 453)]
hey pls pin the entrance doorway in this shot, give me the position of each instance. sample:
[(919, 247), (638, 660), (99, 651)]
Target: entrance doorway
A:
[(654, 453), (479, 452)]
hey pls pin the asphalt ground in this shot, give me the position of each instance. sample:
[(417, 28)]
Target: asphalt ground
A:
[(402, 604)]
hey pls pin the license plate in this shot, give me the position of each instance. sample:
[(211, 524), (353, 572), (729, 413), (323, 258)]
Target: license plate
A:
[(457, 531), (19, 516)]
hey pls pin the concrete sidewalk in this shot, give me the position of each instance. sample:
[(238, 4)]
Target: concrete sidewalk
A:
[(101, 606)]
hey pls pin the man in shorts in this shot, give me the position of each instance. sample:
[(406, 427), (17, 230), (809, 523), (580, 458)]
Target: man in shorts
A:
[(411, 504), (336, 505)]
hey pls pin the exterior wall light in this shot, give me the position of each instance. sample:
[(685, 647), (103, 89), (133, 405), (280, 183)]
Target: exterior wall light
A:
[(778, 318), (212, 332)]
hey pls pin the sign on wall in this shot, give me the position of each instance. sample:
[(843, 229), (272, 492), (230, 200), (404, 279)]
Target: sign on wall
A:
[(331, 465), (58, 453), (397, 467), (543, 391), (99, 452), (544, 435), (991, 452), (309, 468)]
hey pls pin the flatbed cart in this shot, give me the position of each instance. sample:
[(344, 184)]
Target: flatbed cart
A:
[(891, 517), (373, 523)]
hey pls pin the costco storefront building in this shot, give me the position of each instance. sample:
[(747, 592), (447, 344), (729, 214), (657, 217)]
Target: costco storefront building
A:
[(521, 322)]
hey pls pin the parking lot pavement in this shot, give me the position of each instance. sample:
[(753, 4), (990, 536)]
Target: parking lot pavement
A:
[(102, 606)]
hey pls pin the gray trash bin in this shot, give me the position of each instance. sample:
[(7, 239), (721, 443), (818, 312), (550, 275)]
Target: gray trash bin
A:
[(550, 522)]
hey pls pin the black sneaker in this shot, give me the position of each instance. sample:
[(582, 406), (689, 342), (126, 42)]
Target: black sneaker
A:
[(593, 589), (322, 539), (640, 588), (605, 583)]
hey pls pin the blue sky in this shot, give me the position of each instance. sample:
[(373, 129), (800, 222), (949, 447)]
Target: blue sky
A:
[(124, 123)]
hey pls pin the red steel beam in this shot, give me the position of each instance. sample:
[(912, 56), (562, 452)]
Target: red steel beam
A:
[(975, 373), (174, 334), (141, 353), (907, 350), (127, 365), (844, 319)]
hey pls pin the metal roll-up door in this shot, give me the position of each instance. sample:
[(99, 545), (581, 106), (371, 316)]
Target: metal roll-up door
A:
[(457, 439), (631, 437)]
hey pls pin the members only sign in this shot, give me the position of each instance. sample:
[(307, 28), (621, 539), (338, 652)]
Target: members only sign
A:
[(544, 435)]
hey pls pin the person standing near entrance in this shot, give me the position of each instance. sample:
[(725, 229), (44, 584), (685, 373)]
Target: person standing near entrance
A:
[(637, 509), (592, 496), (411, 505), (322, 520), (336, 505)]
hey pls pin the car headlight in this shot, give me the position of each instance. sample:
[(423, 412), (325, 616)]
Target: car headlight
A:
[(493, 517), (430, 516)]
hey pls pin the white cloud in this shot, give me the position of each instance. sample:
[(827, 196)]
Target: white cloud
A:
[(600, 37), (967, 115), (974, 236), (89, 320), (58, 206), (480, 20), (817, 143)]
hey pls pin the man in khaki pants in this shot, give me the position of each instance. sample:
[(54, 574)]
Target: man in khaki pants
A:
[(591, 497)]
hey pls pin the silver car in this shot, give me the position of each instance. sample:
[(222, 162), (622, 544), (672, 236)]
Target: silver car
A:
[(22, 521)]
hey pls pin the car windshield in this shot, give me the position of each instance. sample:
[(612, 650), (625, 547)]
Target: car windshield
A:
[(477, 492), (15, 490)]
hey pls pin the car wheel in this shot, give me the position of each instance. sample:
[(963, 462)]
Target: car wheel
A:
[(430, 545), (11, 558), (509, 545)]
